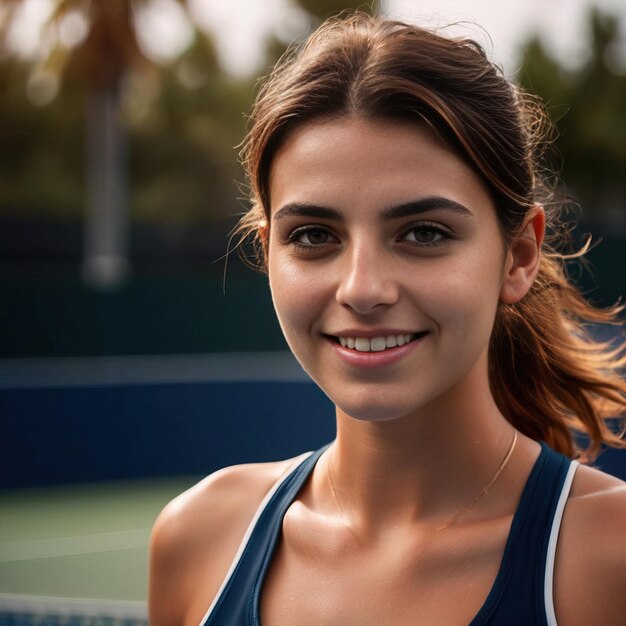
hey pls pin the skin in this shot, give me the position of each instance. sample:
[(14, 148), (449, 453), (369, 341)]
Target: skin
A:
[(418, 436)]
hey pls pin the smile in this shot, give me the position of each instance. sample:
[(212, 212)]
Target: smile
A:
[(376, 344)]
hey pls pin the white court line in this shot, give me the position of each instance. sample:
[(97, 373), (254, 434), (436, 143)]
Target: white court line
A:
[(150, 369), (54, 547)]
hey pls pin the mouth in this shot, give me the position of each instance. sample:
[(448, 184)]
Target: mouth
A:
[(377, 344)]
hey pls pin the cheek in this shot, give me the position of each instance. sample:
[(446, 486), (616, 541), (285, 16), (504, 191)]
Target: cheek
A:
[(295, 294), (467, 298)]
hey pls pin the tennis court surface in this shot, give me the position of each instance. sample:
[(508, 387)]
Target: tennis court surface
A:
[(78, 555)]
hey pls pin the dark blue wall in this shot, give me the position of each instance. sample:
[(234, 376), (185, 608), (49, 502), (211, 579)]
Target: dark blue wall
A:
[(48, 315), (61, 435), (64, 435)]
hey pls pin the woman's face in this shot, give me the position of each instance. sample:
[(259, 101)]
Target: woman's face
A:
[(385, 262)]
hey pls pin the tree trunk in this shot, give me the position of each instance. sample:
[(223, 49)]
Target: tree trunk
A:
[(105, 262)]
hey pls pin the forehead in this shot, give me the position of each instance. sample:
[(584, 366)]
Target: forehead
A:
[(364, 164)]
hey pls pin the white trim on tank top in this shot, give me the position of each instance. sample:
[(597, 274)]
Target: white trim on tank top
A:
[(548, 580)]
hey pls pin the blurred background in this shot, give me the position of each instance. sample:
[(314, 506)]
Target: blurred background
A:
[(136, 353)]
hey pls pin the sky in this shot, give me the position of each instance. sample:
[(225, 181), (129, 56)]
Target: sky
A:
[(561, 23), (508, 23), (239, 26)]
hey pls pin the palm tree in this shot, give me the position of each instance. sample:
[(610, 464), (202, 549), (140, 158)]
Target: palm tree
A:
[(99, 62)]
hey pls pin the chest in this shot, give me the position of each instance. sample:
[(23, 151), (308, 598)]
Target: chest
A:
[(445, 581)]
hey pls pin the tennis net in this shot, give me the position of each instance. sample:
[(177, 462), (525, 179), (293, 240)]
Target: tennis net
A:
[(20, 610)]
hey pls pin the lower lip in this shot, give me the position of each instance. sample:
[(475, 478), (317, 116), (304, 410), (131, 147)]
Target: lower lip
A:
[(375, 359)]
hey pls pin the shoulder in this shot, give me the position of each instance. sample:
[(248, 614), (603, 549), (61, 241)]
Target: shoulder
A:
[(591, 555), (196, 537), (214, 503), (598, 503), (597, 508)]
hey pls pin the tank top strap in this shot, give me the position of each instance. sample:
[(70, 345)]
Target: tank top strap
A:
[(237, 601), (522, 592)]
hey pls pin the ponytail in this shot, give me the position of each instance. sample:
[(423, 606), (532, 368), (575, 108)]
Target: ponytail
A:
[(550, 378)]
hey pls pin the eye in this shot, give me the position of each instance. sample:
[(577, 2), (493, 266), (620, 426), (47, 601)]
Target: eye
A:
[(311, 236), (426, 235)]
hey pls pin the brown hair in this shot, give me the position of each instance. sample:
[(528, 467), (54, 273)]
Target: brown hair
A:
[(548, 376)]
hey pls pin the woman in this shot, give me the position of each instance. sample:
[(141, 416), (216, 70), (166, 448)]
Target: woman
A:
[(401, 215)]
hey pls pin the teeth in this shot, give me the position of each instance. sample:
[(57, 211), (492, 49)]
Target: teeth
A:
[(378, 344), (375, 344), (362, 344)]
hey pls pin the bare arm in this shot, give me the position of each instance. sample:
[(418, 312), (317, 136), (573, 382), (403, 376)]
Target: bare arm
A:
[(590, 580)]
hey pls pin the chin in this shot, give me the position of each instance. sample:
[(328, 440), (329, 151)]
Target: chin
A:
[(375, 412)]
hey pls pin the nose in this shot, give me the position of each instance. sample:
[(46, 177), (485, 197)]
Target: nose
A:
[(368, 282)]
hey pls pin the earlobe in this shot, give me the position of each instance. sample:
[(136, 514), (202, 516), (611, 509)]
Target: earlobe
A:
[(523, 257), (263, 234)]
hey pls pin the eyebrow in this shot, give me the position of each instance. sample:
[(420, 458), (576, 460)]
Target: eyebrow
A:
[(406, 209)]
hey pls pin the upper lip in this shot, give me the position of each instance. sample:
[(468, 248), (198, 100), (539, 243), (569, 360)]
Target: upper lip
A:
[(376, 332)]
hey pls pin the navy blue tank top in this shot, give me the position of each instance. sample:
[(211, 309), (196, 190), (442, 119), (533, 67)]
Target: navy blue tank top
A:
[(520, 596)]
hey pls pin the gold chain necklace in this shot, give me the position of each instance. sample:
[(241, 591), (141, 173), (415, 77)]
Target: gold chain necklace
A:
[(455, 518)]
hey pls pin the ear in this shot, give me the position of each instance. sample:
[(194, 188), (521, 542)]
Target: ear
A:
[(524, 253)]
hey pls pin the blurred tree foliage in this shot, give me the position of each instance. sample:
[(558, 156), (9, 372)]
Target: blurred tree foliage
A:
[(42, 157), (320, 9), (588, 105), (183, 120)]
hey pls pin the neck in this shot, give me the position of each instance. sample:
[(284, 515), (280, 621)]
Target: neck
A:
[(424, 467)]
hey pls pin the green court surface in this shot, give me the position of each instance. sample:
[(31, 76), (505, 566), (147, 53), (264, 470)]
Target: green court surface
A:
[(81, 541)]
